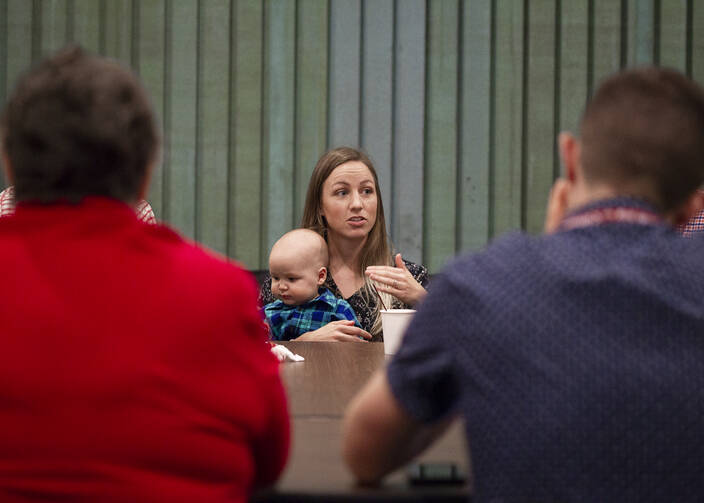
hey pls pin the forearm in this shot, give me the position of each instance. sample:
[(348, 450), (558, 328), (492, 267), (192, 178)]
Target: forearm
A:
[(379, 436)]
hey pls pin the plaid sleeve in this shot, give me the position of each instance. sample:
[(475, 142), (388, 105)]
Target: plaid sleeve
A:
[(343, 311), (7, 201), (274, 321), (695, 225), (145, 213)]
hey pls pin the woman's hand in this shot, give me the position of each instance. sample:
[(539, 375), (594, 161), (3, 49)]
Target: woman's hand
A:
[(340, 330), (397, 281)]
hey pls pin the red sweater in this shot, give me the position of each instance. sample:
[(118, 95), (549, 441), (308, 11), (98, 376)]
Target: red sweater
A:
[(132, 366)]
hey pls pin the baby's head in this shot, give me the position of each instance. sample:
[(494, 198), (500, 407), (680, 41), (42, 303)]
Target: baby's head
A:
[(298, 266)]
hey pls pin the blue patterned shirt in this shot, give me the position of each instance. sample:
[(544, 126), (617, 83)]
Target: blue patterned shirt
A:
[(576, 359), (288, 322)]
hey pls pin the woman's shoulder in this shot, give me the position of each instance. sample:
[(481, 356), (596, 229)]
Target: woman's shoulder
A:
[(418, 271), (265, 295)]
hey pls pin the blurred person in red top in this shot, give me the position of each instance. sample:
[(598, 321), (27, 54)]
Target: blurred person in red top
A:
[(133, 363)]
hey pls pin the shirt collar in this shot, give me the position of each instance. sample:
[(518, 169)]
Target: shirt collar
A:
[(101, 211), (614, 210), (615, 202), (324, 295)]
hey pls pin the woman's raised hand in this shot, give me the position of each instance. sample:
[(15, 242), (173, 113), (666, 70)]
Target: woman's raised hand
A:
[(341, 330), (397, 281)]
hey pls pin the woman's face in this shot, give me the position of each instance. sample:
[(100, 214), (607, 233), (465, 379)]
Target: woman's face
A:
[(349, 200)]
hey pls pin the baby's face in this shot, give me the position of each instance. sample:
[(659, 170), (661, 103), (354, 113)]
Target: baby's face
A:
[(293, 280)]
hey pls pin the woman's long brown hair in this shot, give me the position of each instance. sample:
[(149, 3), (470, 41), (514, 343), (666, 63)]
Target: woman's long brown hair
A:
[(377, 248)]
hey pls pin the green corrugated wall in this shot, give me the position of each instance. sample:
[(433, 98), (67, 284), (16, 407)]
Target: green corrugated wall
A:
[(458, 102)]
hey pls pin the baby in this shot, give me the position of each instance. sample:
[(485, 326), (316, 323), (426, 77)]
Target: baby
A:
[(298, 267)]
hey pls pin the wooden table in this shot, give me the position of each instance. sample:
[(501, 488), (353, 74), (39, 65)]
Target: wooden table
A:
[(319, 390)]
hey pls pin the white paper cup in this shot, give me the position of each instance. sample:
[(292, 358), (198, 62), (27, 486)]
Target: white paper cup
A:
[(394, 323)]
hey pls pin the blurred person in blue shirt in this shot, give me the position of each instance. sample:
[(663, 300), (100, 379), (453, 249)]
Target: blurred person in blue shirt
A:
[(576, 358)]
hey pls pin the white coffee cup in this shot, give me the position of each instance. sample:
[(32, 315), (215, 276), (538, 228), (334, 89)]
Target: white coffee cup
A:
[(394, 323)]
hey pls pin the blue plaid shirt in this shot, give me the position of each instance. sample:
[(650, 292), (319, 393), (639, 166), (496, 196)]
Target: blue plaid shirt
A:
[(288, 322)]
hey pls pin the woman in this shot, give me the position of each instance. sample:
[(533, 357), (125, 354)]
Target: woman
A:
[(343, 204)]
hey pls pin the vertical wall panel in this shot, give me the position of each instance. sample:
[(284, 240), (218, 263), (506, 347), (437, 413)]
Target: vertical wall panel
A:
[(18, 53), (118, 30), (311, 94), (213, 116), (182, 97), (508, 118), (540, 120), (19, 41), (3, 50), (573, 66), (641, 32), (54, 22), (460, 119), (87, 27), (409, 128), (606, 42), (345, 72), (151, 66), (20, 24), (473, 188), (3, 70), (673, 36), (441, 132), (247, 200), (279, 120), (377, 91), (697, 56)]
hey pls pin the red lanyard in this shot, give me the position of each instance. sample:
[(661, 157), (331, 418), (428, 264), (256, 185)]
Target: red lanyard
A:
[(600, 216)]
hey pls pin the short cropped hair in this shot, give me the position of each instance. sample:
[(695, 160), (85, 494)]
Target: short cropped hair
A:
[(643, 134), (78, 125)]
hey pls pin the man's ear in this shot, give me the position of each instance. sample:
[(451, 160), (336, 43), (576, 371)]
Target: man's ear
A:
[(570, 155), (322, 275), (691, 207)]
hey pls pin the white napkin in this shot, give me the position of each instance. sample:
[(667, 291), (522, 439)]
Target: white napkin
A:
[(285, 355)]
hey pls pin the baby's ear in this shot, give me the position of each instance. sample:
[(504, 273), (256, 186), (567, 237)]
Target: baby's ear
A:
[(322, 275)]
